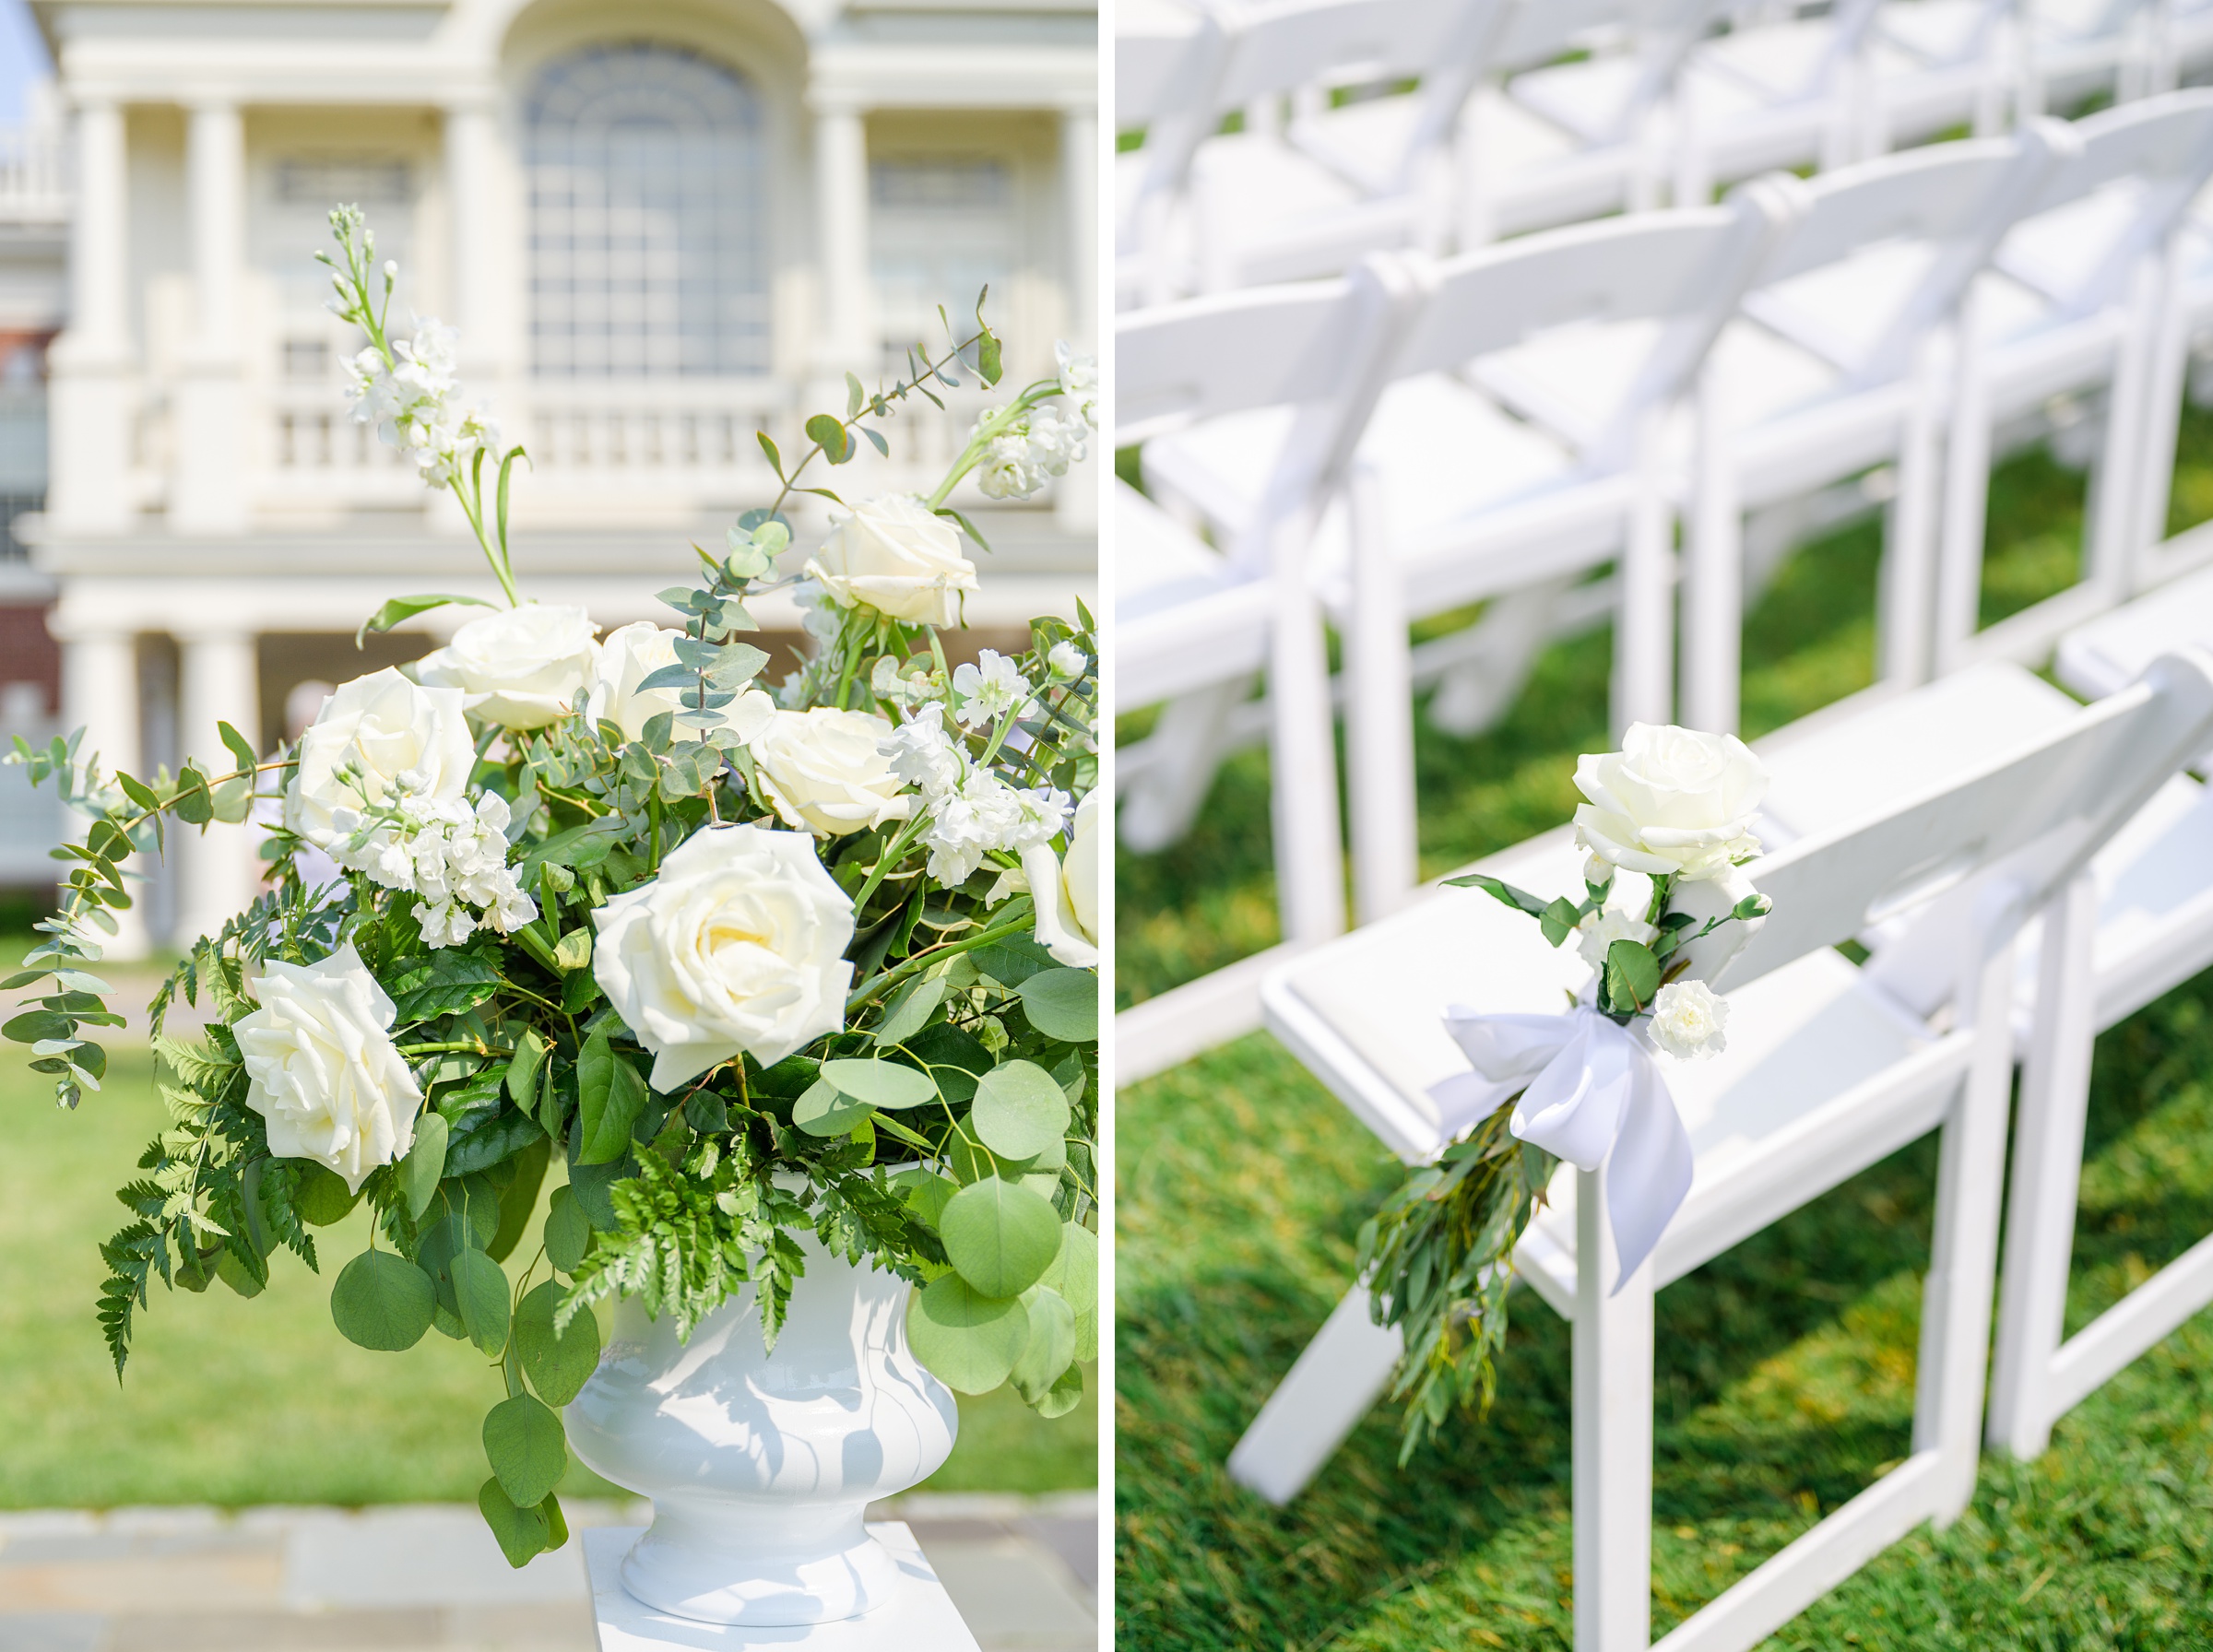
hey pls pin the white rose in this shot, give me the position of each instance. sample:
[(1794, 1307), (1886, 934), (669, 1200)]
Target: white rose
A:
[(1067, 889), (826, 769), (1601, 929), (521, 669), (737, 946), (1671, 800), (634, 653), (392, 738), (897, 557), (1690, 1019), (322, 1067)]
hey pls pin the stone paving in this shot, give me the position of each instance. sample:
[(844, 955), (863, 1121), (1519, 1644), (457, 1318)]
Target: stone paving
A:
[(1024, 1572)]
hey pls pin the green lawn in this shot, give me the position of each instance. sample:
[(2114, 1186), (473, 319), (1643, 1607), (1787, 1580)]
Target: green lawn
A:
[(1786, 1367), (231, 1401)]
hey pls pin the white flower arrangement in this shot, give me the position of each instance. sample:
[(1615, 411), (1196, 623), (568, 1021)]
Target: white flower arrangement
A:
[(605, 898), (1673, 810)]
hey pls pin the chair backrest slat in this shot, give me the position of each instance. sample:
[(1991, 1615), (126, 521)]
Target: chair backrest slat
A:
[(2042, 809)]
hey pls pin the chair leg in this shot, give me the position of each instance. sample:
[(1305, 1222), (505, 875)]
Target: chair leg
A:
[(1162, 805), (2047, 1171), (1644, 618), (1378, 725), (1320, 1400), (1613, 1448), (1965, 513), (1956, 1297), (1713, 597), (2110, 548), (2164, 383), (1908, 573), (1310, 847)]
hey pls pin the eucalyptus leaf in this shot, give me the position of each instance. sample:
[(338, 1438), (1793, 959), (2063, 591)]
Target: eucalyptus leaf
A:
[(481, 1286), (880, 1083), (1020, 1110), (568, 1230), (969, 1340), (522, 1533), (421, 1170), (1051, 1346), (1063, 1004), (823, 1111), (557, 1363), (1000, 1236), (383, 1301)]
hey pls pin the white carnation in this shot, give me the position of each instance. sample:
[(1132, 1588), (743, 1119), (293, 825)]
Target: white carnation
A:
[(1690, 1019), (1601, 929)]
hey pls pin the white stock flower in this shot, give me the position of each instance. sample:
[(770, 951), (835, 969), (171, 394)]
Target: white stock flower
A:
[(410, 403), (1044, 441), (1079, 380), (1689, 1020), (1009, 468), (898, 557), (1056, 439), (1601, 929), (322, 1069), (1671, 800), (519, 667), (989, 689), (737, 946), (985, 814), (826, 769), (923, 754), (1065, 659), (818, 617), (1066, 889), (377, 736)]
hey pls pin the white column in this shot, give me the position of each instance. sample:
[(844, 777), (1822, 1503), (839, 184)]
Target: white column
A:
[(208, 440), (90, 397), (99, 693), (472, 159), (218, 680), (849, 338), (1076, 500)]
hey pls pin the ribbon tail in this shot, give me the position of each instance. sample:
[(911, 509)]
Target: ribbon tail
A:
[(1573, 1108), (1648, 1174)]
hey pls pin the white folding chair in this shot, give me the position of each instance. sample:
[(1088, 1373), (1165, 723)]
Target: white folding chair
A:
[(1194, 625), (1467, 489), (1936, 64), (1826, 1073), (2138, 925), (1836, 366), (1785, 93), (1214, 210), (2074, 303), (2072, 48)]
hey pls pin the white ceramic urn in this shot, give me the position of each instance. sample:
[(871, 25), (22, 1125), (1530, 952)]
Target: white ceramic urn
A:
[(760, 1465)]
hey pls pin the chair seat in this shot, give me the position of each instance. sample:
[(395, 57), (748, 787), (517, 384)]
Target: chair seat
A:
[(1590, 99), (1777, 61), (1183, 618), (1158, 562), (2112, 650), (1931, 31), (1363, 142)]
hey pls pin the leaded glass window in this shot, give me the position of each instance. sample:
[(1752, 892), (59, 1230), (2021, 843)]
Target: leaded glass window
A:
[(647, 184)]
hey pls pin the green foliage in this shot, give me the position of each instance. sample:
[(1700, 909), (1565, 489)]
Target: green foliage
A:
[(383, 1301), (526, 1449), (969, 1340), (557, 1361)]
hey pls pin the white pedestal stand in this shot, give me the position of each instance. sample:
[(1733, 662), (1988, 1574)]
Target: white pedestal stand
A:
[(921, 1618)]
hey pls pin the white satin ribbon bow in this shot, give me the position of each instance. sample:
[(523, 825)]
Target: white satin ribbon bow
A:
[(1590, 1095)]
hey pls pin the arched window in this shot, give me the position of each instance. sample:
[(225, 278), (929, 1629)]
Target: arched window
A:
[(646, 206)]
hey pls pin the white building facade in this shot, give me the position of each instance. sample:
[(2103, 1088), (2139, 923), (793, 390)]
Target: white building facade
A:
[(661, 227)]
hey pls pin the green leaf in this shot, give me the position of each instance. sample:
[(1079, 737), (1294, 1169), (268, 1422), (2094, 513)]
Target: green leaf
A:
[(568, 1230), (522, 1533), (233, 801), (911, 1011), (987, 356), (1063, 1004), (558, 1363), (237, 744), (823, 1111), (444, 983), (527, 1451), (575, 950), (402, 608), (193, 805), (1751, 906), (424, 1167), (480, 1284), (383, 1301), (1075, 1276), (968, 1339), (1020, 1110), (1013, 961), (830, 433), (610, 1096), (1064, 1396), (880, 1083), (1000, 1235), (1632, 975), (519, 1197), (522, 1069), (1051, 1347), (925, 1193), (1519, 899), (1559, 920), (855, 397), (320, 1196)]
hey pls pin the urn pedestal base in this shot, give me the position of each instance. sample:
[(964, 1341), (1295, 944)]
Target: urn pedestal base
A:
[(917, 1615)]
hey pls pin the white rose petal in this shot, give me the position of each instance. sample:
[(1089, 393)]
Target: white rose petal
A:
[(1690, 1019), (387, 736), (1067, 889), (737, 946), (627, 657), (1671, 800), (522, 667), (826, 769), (1602, 929), (322, 1069), (898, 557)]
